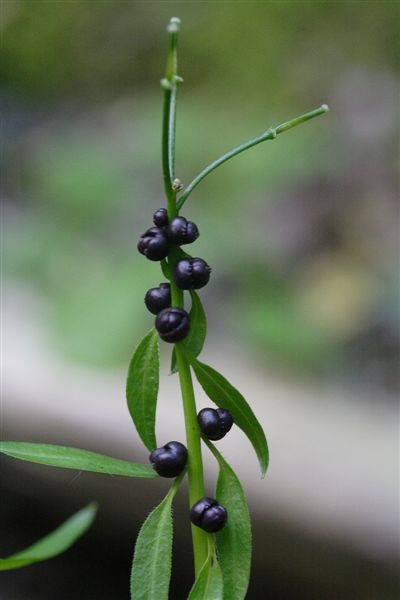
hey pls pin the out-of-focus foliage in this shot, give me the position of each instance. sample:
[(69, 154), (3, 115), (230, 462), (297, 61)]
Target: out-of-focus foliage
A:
[(311, 281), (79, 49)]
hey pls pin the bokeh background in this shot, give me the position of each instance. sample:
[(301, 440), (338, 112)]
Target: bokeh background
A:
[(302, 235)]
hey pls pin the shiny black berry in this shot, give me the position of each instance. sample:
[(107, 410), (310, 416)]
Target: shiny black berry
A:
[(172, 324), (180, 231), (215, 423), (208, 514), (158, 298), (170, 460), (191, 273), (160, 217), (154, 244)]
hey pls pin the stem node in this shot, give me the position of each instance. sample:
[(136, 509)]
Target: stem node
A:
[(166, 84)]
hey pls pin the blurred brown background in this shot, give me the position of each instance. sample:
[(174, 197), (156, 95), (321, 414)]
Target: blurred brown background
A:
[(302, 235)]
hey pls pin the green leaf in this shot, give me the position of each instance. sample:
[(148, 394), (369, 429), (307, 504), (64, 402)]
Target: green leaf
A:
[(151, 568), (142, 388), (55, 543), (234, 540), (209, 584), (74, 458), (224, 395), (198, 330)]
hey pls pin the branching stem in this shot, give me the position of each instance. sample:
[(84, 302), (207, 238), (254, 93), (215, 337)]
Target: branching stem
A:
[(270, 134)]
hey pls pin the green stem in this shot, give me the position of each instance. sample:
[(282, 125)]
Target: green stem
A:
[(169, 192), (170, 87), (195, 462), (270, 134)]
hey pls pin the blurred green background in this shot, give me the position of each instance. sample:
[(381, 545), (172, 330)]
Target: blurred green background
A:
[(301, 233), (313, 284)]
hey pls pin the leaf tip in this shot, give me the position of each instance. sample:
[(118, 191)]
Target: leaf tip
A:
[(93, 507), (264, 468)]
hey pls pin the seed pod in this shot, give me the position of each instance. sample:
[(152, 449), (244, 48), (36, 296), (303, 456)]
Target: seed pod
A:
[(153, 244), (169, 460), (158, 298), (180, 231), (160, 217), (173, 324), (209, 515), (215, 423), (191, 273)]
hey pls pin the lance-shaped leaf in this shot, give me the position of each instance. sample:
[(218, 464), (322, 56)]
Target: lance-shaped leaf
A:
[(151, 567), (198, 330), (220, 391), (142, 388), (53, 544), (209, 584), (234, 540), (74, 458)]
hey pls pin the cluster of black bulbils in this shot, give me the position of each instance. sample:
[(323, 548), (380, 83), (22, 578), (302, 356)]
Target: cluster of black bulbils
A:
[(170, 460), (155, 242), (172, 323)]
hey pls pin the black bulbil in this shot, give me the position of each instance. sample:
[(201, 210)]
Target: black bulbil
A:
[(191, 273), (169, 460), (180, 231), (209, 515), (173, 324), (153, 244), (158, 298), (215, 423), (160, 217)]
